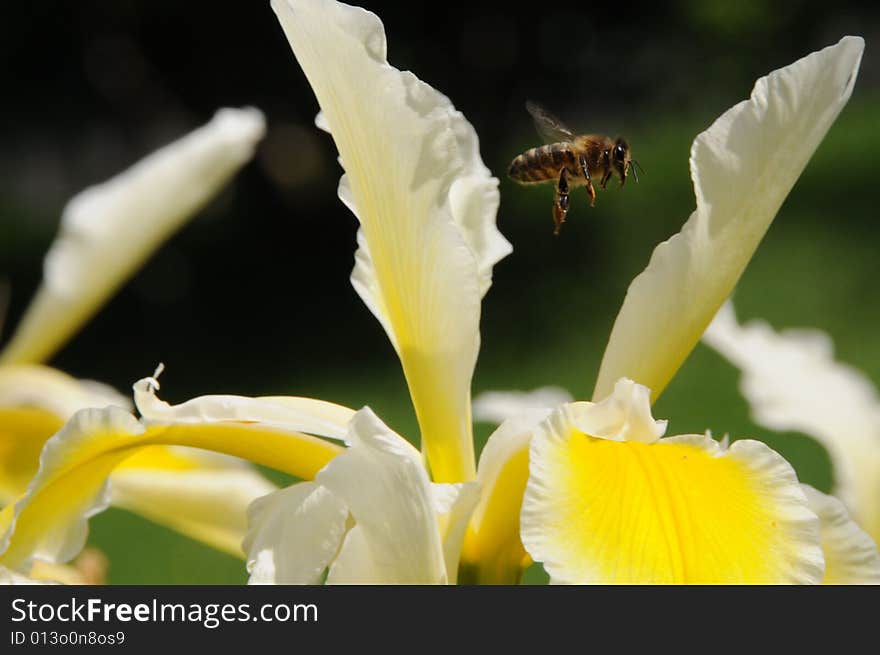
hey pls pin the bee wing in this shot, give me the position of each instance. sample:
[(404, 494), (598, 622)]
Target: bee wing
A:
[(551, 129)]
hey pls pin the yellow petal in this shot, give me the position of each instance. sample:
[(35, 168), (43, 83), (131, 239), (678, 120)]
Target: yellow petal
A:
[(743, 167), (108, 230), (679, 510), (426, 206)]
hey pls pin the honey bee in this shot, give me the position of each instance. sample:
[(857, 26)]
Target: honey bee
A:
[(570, 160)]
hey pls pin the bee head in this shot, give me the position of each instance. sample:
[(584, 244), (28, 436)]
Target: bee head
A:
[(620, 160)]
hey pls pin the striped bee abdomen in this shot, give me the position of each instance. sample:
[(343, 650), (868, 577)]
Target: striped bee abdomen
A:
[(541, 164)]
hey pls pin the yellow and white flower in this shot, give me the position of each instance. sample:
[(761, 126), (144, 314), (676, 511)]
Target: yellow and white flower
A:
[(373, 510), (106, 233)]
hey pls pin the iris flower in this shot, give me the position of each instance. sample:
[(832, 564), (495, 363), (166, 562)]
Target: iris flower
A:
[(106, 233), (601, 496)]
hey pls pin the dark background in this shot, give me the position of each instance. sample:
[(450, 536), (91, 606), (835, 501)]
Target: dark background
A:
[(253, 297)]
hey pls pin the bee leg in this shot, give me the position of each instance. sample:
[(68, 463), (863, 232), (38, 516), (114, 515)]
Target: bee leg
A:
[(605, 178), (585, 171), (560, 206)]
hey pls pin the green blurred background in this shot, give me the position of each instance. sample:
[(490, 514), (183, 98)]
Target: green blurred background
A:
[(253, 297)]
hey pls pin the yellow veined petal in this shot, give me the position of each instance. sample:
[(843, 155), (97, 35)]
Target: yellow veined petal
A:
[(743, 168), (50, 521), (426, 205), (850, 554), (792, 382), (108, 230), (195, 492), (679, 510)]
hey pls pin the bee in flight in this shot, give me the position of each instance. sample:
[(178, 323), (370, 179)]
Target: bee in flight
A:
[(570, 161)]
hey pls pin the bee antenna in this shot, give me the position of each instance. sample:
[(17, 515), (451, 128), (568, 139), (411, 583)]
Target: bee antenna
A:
[(639, 165), (633, 169)]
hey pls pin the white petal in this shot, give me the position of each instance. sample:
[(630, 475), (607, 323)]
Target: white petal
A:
[(625, 415), (743, 167), (108, 230), (426, 205), (293, 534), (301, 414), (498, 406), (386, 488), (850, 554), (354, 564), (792, 382)]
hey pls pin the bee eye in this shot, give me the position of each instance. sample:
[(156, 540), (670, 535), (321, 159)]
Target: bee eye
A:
[(618, 153)]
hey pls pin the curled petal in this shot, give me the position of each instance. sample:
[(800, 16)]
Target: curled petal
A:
[(302, 414), (108, 230), (743, 167), (426, 206), (679, 510)]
